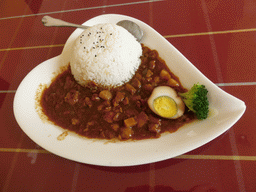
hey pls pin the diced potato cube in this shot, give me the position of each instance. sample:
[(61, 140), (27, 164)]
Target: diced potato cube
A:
[(130, 122), (126, 133)]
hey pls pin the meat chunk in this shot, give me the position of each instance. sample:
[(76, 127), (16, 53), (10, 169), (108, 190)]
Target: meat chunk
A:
[(68, 83), (172, 82), (136, 98), (108, 108), (115, 127), (95, 97), (119, 97), (145, 50), (152, 64), (75, 121), (88, 102), (149, 73), (105, 95), (126, 101), (116, 117), (156, 79), (148, 79), (104, 105), (72, 97), (154, 120), (109, 116), (138, 76), (88, 125), (165, 75), (138, 104), (136, 83), (153, 54), (148, 87), (100, 107), (142, 119), (130, 122), (154, 125), (130, 88), (118, 109), (155, 128)]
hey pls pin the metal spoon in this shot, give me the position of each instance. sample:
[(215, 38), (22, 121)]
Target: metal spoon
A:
[(130, 26)]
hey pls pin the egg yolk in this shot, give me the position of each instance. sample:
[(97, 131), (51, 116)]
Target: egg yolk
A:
[(165, 106)]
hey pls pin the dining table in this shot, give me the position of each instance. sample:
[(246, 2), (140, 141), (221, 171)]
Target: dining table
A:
[(217, 38)]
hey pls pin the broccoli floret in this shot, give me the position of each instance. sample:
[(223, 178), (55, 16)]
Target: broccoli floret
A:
[(196, 100)]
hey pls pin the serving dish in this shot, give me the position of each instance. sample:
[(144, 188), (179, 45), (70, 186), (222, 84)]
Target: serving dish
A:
[(225, 111)]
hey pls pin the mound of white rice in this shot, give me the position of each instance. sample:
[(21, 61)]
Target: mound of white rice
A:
[(106, 54)]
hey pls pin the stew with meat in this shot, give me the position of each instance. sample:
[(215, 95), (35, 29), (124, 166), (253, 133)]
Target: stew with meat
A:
[(120, 112)]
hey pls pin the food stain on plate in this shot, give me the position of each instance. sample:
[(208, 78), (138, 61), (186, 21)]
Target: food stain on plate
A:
[(62, 136)]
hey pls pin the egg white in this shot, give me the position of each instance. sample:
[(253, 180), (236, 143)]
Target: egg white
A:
[(169, 92)]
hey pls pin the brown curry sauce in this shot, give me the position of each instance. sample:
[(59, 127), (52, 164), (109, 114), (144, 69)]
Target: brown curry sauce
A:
[(120, 112)]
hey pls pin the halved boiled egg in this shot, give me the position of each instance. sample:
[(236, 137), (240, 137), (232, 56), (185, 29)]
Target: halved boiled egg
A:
[(165, 102)]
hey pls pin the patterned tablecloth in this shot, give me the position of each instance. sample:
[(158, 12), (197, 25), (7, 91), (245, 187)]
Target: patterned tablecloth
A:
[(217, 36)]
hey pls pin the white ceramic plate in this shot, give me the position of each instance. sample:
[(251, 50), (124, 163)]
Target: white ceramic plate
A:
[(225, 111)]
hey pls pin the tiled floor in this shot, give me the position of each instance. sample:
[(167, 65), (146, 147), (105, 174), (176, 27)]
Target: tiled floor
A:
[(217, 36)]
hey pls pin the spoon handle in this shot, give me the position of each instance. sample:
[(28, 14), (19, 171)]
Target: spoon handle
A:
[(52, 22)]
